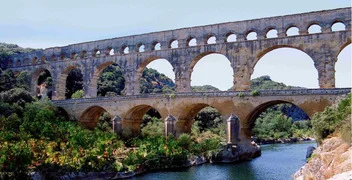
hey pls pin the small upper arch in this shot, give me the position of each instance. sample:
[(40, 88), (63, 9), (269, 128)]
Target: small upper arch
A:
[(314, 27), (210, 38), (156, 45), (231, 37), (191, 41), (338, 25), (251, 34)]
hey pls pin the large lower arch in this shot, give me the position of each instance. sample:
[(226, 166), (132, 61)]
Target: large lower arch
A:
[(132, 120), (211, 68), (288, 64), (249, 121), (90, 117)]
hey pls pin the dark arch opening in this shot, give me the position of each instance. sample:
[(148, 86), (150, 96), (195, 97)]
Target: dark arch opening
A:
[(44, 84), (212, 70), (284, 68), (111, 81), (156, 76), (201, 119), (92, 116), (277, 119), (148, 120), (74, 84), (61, 112)]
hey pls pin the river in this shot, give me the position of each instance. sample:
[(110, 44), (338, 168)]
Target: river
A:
[(278, 161)]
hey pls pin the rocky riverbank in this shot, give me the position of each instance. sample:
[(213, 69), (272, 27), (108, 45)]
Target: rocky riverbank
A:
[(227, 154), (329, 160)]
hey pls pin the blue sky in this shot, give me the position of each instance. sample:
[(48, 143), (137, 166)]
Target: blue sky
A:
[(43, 23)]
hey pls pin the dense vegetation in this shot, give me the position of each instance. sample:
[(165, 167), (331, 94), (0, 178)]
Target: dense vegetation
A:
[(7, 50), (334, 119)]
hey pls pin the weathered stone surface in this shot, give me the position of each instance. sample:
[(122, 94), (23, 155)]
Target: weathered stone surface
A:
[(331, 158), (234, 153), (243, 54)]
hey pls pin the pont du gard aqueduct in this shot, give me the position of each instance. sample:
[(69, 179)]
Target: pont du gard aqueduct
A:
[(134, 53)]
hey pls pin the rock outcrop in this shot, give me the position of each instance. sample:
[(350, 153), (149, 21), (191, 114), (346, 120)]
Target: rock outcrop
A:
[(233, 153), (331, 158)]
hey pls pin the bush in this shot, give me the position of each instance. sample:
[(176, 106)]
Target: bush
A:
[(255, 93), (240, 94), (78, 94)]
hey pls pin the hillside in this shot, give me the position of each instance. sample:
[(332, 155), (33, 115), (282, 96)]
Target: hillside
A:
[(7, 50)]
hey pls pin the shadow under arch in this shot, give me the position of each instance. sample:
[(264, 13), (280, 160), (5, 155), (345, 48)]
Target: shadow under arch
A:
[(61, 83), (90, 117), (61, 112), (132, 120), (254, 114), (344, 46), (187, 117)]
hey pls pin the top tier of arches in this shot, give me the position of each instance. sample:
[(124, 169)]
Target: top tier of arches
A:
[(257, 29)]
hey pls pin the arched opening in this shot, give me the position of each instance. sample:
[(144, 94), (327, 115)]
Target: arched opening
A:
[(26, 61), (271, 34), (74, 55), (231, 37), (211, 39), (192, 42), (343, 68), (112, 52), (156, 76), (292, 31), (173, 44), (44, 85), (43, 59), (74, 84), (314, 28), (95, 116), (111, 81), (145, 119), (62, 56), (140, 48), (107, 51), (277, 120), (251, 36), (42, 80), (338, 26), (61, 112), (83, 54), (202, 121), (284, 68), (125, 49), (53, 57), (156, 46), (211, 72), (34, 60), (18, 62)]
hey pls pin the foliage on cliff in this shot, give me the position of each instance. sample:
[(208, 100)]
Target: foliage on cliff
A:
[(204, 88), (265, 82), (7, 50), (334, 119)]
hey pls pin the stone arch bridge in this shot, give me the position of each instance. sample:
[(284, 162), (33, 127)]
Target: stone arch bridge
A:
[(183, 48)]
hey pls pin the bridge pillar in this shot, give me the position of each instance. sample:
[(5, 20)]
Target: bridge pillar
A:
[(233, 129), (183, 80), (117, 125), (325, 64), (170, 126), (242, 73), (132, 85)]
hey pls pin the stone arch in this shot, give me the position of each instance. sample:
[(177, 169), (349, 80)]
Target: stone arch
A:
[(34, 78), (64, 113), (173, 43), (249, 32), (145, 63), (313, 23), (290, 26), (140, 47), (133, 118), (231, 37), (83, 54), (191, 41), (18, 62), (156, 45), (262, 53), (61, 83), (338, 20), (43, 60), (108, 50), (195, 60), (250, 119), (93, 86), (344, 45), (124, 49), (26, 61), (62, 56), (342, 66), (34, 60), (52, 57), (210, 38), (270, 29), (187, 115), (90, 117)]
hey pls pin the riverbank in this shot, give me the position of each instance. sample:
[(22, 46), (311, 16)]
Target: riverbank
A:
[(331, 158), (227, 154)]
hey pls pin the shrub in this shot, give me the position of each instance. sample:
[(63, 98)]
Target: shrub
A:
[(255, 93), (78, 94), (240, 94)]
